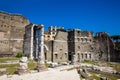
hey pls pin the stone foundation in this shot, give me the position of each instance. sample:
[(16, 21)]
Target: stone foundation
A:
[(23, 67), (21, 71), (41, 67)]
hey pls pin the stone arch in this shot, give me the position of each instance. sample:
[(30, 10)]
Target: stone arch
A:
[(45, 46), (45, 51), (82, 55), (78, 56)]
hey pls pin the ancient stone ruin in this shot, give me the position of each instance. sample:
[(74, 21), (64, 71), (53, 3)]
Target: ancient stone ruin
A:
[(12, 30), (71, 46), (23, 66), (60, 45)]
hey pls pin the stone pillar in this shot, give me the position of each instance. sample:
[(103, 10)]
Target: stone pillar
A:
[(74, 59), (41, 60), (23, 67), (31, 42), (88, 56), (36, 48), (41, 56), (91, 57), (108, 46)]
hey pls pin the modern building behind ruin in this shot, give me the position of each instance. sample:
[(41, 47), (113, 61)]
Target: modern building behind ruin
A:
[(70, 45), (12, 30)]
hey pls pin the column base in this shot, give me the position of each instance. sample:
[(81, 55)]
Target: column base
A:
[(41, 67), (21, 71), (31, 57)]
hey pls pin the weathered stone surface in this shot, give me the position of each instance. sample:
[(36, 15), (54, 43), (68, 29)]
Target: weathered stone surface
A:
[(60, 47), (104, 47), (54, 64), (73, 46), (23, 60), (41, 67), (12, 29), (23, 67)]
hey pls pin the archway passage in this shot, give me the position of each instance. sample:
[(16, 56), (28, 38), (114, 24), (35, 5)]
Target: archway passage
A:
[(46, 52), (45, 55), (70, 56)]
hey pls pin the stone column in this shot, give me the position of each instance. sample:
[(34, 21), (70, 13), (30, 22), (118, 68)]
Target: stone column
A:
[(74, 60), (108, 46), (41, 56), (23, 67), (41, 60), (31, 42), (36, 48)]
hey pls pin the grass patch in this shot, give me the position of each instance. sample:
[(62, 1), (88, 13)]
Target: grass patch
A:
[(3, 60), (94, 76), (110, 77), (10, 68), (47, 65), (115, 65), (32, 65)]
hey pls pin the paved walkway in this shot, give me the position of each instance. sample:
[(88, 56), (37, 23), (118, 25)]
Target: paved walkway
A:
[(51, 74)]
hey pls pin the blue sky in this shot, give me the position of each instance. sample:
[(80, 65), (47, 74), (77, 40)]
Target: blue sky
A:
[(93, 15)]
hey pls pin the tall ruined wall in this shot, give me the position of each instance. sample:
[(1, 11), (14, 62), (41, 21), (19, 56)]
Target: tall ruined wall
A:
[(60, 47), (71, 44), (12, 28), (27, 39), (83, 43), (104, 47), (84, 46)]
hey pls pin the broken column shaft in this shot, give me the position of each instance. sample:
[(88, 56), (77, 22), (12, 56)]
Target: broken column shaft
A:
[(41, 64)]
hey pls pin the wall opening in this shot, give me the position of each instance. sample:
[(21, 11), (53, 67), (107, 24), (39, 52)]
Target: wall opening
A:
[(90, 56), (86, 56), (78, 57), (82, 56), (56, 56), (65, 55), (45, 56), (70, 56)]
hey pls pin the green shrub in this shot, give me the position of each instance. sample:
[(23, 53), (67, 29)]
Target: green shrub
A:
[(19, 55)]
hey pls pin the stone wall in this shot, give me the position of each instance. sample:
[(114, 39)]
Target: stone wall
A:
[(12, 28), (83, 46), (63, 45), (60, 47), (48, 50), (79, 45), (72, 45), (27, 39), (104, 47)]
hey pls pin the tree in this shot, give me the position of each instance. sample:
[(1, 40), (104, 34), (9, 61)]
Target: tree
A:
[(116, 38)]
